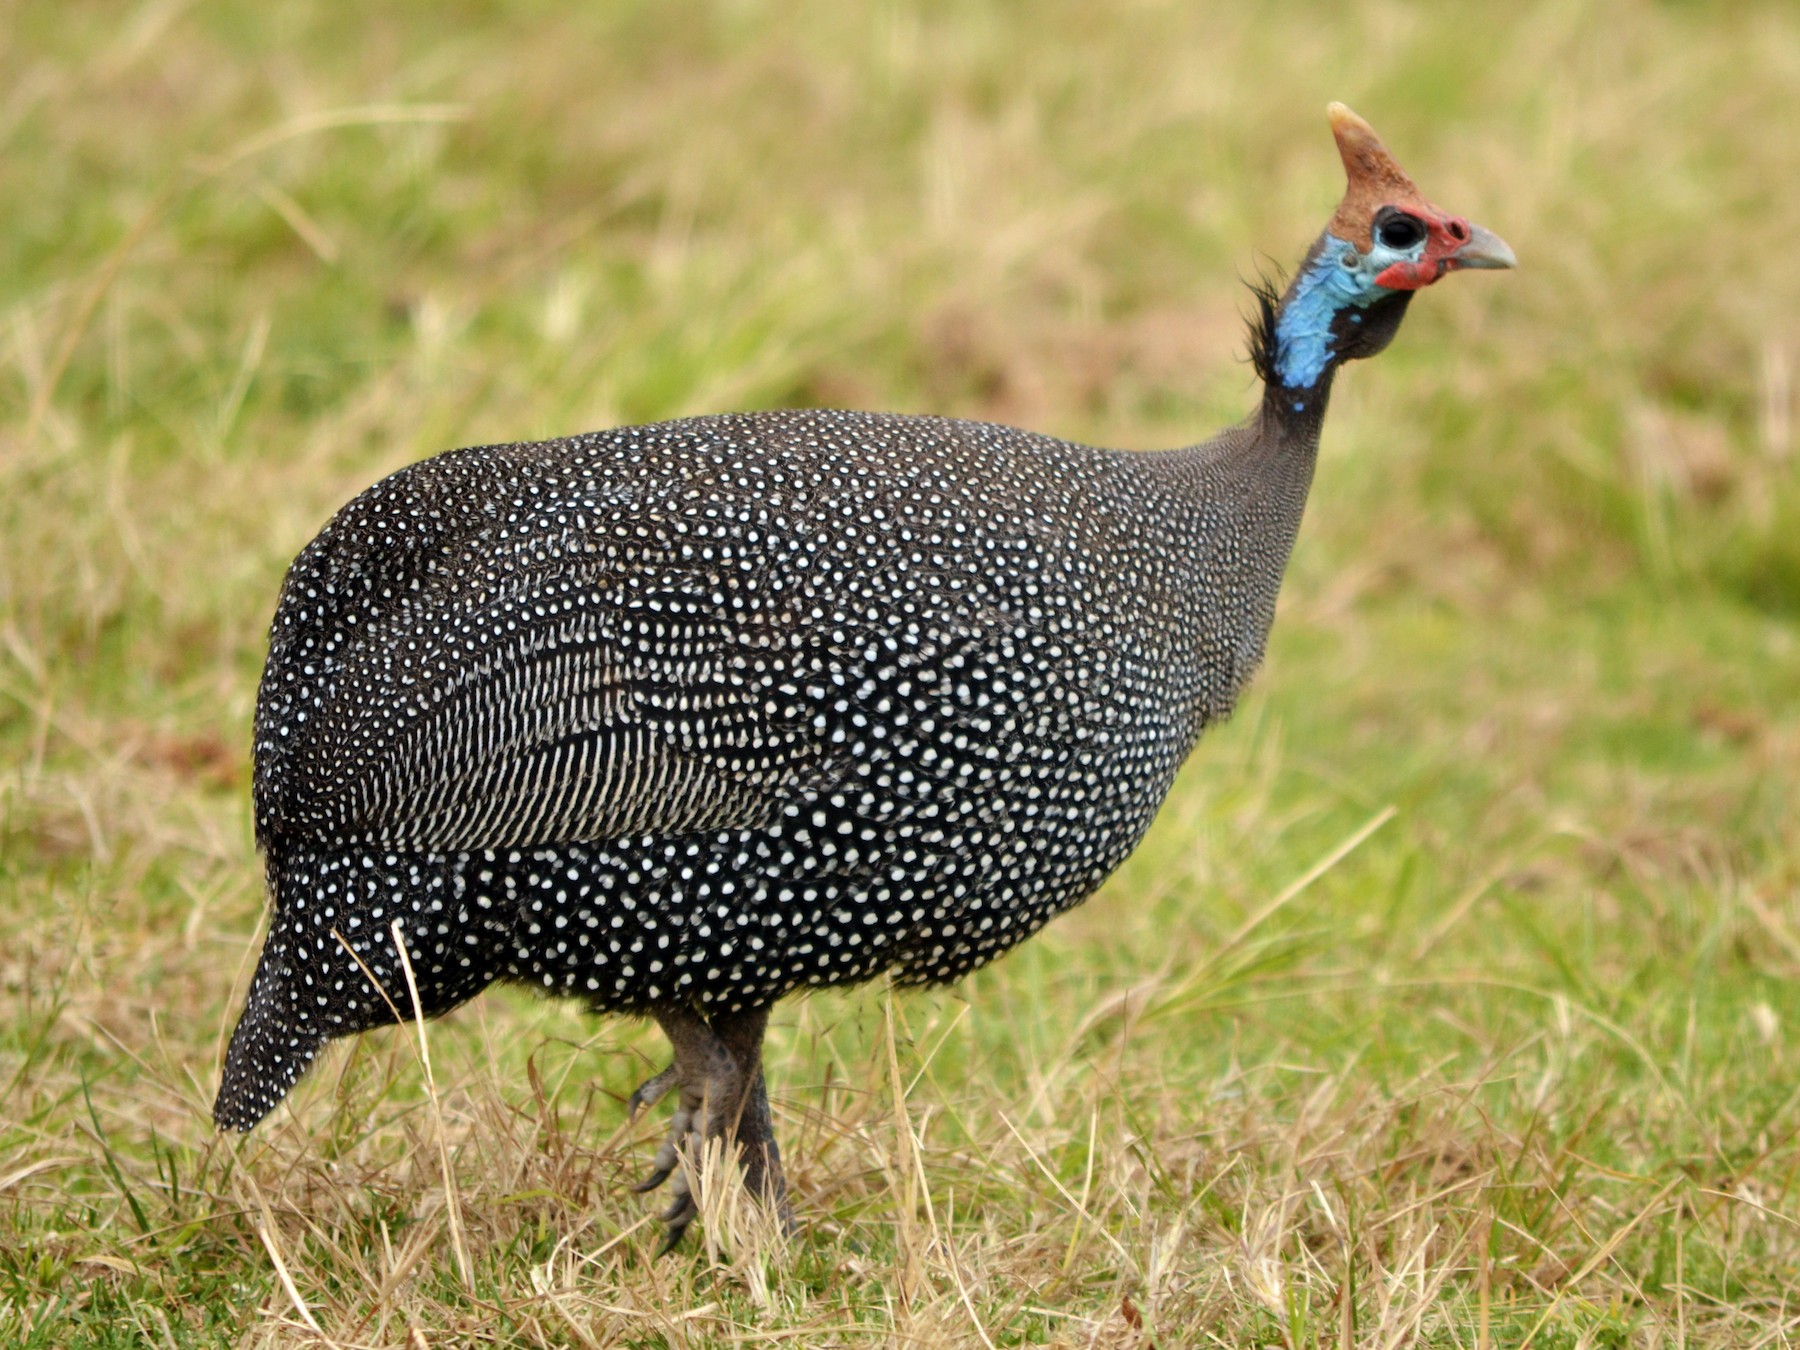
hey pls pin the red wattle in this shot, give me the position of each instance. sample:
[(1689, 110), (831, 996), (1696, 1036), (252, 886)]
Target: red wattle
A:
[(1406, 276)]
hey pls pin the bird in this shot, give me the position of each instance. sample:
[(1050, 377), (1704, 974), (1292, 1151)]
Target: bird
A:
[(679, 720)]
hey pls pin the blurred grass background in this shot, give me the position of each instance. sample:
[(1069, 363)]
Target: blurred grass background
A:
[(1452, 1000)]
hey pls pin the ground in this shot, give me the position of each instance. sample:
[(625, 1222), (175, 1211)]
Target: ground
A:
[(1452, 999)]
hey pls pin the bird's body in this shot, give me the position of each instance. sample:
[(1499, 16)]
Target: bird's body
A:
[(679, 719), (817, 696)]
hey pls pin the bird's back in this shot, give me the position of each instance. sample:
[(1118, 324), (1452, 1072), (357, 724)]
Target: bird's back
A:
[(712, 710), (890, 690), (694, 625)]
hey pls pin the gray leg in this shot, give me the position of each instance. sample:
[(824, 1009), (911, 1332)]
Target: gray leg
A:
[(718, 1071), (742, 1034), (696, 1051)]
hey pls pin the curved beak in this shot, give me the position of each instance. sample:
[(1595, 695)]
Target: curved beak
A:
[(1484, 249)]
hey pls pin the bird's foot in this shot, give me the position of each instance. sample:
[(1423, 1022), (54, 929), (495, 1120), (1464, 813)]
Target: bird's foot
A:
[(711, 1086), (722, 1114), (681, 1126), (682, 1143)]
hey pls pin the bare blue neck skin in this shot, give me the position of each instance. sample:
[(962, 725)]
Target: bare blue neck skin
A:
[(1339, 278)]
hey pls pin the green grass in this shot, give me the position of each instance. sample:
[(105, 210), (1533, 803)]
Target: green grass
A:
[(1452, 1000)]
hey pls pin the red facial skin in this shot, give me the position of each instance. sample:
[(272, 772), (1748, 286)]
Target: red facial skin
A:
[(1444, 235)]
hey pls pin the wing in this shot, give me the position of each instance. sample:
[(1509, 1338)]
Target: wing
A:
[(682, 627), (501, 646)]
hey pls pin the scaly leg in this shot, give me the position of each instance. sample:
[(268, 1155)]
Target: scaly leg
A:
[(718, 1071), (742, 1033)]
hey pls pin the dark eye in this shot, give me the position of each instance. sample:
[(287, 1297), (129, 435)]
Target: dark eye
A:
[(1399, 231)]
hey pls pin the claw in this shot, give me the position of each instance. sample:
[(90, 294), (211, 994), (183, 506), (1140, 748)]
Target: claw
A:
[(675, 1233), (668, 1157), (650, 1092), (675, 1220)]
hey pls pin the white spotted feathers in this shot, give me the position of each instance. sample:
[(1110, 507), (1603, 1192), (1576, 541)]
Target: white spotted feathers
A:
[(715, 710)]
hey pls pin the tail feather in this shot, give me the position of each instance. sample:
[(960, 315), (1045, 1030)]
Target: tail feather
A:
[(269, 1050), (329, 967)]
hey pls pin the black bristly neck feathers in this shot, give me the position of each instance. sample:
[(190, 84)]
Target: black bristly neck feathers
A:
[(1384, 242)]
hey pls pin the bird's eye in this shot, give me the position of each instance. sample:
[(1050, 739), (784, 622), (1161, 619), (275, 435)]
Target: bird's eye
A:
[(1399, 231)]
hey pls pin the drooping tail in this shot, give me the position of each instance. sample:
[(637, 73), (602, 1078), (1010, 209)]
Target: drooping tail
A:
[(330, 967), (271, 1048)]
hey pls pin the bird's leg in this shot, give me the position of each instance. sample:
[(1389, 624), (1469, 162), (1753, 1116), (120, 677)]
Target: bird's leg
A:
[(712, 1086), (718, 1070), (742, 1034), (699, 1058)]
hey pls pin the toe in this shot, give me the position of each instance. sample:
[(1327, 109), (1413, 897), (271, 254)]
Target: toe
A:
[(676, 1219), (650, 1092)]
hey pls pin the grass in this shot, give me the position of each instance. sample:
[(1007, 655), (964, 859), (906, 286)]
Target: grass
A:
[(1452, 1000)]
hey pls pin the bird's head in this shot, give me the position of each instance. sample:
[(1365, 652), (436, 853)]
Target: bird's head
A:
[(1401, 242), (1385, 242)]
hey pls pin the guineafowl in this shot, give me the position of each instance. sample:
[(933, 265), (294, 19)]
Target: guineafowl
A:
[(679, 719)]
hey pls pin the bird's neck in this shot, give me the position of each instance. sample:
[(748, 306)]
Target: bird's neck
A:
[(1330, 313), (1315, 325), (1243, 493)]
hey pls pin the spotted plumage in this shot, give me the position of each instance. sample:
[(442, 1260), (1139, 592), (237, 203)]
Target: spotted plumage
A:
[(680, 719)]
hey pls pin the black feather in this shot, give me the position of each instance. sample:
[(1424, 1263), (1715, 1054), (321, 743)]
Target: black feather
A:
[(1265, 343)]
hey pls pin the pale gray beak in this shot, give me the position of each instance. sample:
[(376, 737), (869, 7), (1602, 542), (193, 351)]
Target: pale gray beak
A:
[(1484, 249)]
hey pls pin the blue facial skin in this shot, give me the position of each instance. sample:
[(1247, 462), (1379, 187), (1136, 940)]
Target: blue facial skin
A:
[(1340, 278)]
